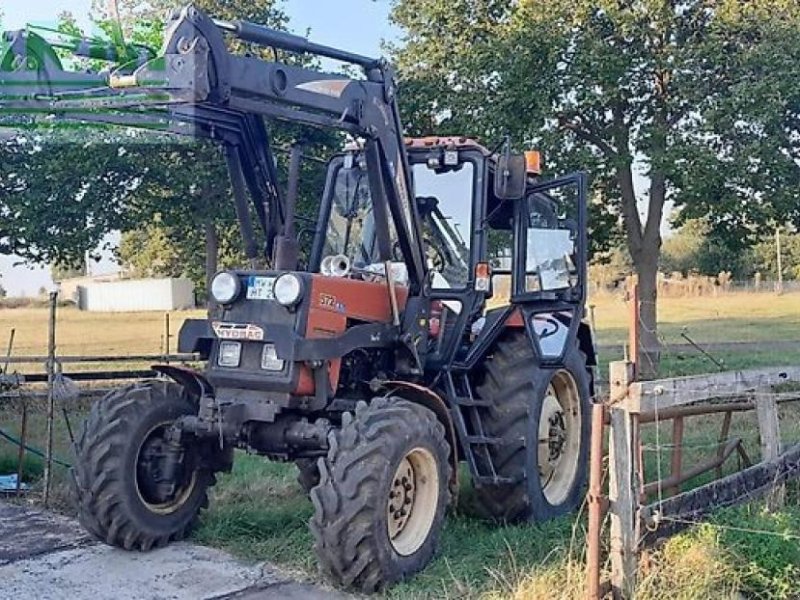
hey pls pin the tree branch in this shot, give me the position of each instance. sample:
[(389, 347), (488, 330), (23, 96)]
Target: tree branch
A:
[(624, 173), (586, 134)]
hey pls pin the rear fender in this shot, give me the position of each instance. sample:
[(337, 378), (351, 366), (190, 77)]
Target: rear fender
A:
[(196, 336), (586, 344)]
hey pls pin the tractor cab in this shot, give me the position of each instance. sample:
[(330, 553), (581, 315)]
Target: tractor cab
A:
[(485, 250)]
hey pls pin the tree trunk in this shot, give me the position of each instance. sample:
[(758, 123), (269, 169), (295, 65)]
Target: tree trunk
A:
[(644, 246), (212, 257), (649, 344), (647, 268)]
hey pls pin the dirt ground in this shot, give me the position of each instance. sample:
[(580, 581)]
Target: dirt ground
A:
[(48, 557)]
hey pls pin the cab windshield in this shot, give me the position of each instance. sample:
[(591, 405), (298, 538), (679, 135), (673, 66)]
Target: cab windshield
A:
[(351, 226)]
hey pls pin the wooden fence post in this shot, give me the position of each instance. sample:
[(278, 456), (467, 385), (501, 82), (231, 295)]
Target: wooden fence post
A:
[(595, 501), (623, 485), (770, 435), (51, 371)]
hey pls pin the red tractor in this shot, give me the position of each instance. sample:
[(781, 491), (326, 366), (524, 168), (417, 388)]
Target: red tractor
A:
[(385, 360)]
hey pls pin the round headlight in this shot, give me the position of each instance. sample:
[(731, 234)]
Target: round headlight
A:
[(288, 289), (225, 287)]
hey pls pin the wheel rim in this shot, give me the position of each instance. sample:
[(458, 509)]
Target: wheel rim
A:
[(559, 437), (149, 484), (413, 499)]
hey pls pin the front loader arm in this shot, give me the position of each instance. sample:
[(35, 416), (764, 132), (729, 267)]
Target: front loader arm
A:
[(197, 87)]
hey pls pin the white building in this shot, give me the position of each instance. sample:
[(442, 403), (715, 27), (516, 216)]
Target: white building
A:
[(137, 295)]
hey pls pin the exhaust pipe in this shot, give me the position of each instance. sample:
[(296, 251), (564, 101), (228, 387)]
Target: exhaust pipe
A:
[(335, 266)]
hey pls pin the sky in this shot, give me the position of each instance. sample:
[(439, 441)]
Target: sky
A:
[(358, 25)]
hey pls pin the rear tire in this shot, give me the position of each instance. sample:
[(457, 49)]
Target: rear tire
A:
[(547, 459), (383, 492), (116, 475)]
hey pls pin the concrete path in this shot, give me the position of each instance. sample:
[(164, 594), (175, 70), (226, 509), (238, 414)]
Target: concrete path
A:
[(48, 557)]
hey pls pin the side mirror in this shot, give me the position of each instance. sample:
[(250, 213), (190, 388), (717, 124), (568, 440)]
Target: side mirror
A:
[(510, 177)]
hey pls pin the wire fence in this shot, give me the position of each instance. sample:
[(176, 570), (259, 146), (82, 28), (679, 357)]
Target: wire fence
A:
[(44, 398)]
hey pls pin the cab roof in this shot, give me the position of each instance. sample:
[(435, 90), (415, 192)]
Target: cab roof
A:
[(448, 142)]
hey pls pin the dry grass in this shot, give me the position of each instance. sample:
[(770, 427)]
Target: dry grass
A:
[(690, 566), (90, 333), (737, 316)]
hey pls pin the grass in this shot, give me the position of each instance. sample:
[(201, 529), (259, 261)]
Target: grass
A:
[(476, 558), (260, 513)]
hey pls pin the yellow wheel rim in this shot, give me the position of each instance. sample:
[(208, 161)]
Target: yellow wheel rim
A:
[(559, 437), (413, 500)]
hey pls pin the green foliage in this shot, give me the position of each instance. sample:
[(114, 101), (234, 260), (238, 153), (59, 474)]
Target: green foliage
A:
[(60, 194), (700, 97), (157, 250), (62, 272), (680, 251), (62, 190), (697, 248), (766, 253)]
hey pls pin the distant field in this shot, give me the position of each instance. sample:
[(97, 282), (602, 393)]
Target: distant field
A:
[(90, 333), (743, 317), (738, 316)]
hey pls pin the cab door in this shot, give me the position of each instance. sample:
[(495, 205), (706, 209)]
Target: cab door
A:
[(549, 263)]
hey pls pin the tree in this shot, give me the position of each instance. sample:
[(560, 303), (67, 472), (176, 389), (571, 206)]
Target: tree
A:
[(617, 88), (62, 272), (696, 247), (766, 254), (157, 250), (60, 195), (187, 201), (62, 191)]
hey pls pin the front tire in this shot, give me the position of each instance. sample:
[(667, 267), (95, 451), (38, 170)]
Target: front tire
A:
[(541, 414), (123, 500), (382, 496)]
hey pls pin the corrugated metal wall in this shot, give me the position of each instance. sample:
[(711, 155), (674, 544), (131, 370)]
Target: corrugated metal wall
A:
[(137, 295)]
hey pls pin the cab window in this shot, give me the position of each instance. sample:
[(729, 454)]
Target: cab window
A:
[(444, 200), (550, 258)]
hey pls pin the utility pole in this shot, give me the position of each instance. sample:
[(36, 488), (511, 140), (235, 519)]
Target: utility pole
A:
[(780, 259)]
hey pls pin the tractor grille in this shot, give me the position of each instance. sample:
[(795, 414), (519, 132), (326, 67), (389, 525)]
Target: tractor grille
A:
[(253, 325)]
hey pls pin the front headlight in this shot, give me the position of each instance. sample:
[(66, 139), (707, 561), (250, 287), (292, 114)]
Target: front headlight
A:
[(288, 289), (225, 287)]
